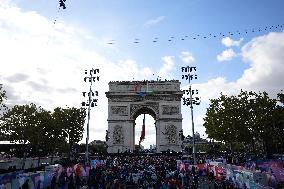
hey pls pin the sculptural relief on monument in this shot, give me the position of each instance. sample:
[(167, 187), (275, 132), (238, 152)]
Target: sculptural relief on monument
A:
[(170, 110), (171, 134), (118, 137), (119, 110)]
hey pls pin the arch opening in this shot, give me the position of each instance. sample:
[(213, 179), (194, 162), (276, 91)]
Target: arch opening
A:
[(145, 110), (150, 130)]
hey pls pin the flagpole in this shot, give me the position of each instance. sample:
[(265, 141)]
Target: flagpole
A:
[(142, 132), (88, 123), (143, 128)]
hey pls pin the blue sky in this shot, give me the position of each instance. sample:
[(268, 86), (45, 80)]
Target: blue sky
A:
[(36, 53)]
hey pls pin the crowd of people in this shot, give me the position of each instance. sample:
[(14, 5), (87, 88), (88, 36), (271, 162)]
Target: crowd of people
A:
[(141, 172), (146, 171)]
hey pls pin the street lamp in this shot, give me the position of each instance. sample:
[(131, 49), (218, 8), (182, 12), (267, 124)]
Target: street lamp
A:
[(190, 101), (90, 102)]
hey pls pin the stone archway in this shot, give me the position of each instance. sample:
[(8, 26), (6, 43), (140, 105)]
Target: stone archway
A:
[(140, 110), (128, 99)]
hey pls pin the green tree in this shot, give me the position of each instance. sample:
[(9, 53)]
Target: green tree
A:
[(32, 125), (3, 97), (279, 125), (51, 134), (248, 119), (19, 123), (226, 119), (71, 120), (264, 119), (281, 98), (3, 107)]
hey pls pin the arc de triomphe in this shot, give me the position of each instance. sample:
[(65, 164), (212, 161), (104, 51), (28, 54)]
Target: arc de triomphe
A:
[(129, 99)]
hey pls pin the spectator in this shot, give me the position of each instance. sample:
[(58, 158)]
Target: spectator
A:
[(26, 185)]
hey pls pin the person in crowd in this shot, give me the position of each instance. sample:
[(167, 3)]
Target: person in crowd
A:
[(26, 185), (53, 182), (62, 180)]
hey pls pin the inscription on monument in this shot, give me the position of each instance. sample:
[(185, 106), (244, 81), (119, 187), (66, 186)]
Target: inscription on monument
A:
[(170, 110), (119, 110)]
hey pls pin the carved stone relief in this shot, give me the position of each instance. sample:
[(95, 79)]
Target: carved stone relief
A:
[(170, 110), (171, 134), (118, 136), (119, 110)]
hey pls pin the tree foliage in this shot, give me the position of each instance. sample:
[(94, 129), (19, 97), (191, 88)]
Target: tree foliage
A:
[(41, 129), (71, 120), (20, 123), (3, 97), (3, 107), (250, 118)]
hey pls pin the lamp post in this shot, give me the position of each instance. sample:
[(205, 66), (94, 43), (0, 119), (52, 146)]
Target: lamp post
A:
[(90, 102), (191, 101), (192, 123)]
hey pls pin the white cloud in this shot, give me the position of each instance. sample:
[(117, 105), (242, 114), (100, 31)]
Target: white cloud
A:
[(265, 57), (154, 21), (214, 87), (165, 71), (186, 57), (226, 55), (228, 42), (44, 63)]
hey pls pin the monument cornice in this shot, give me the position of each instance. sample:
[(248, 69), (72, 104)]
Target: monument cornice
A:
[(131, 97), (143, 82)]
